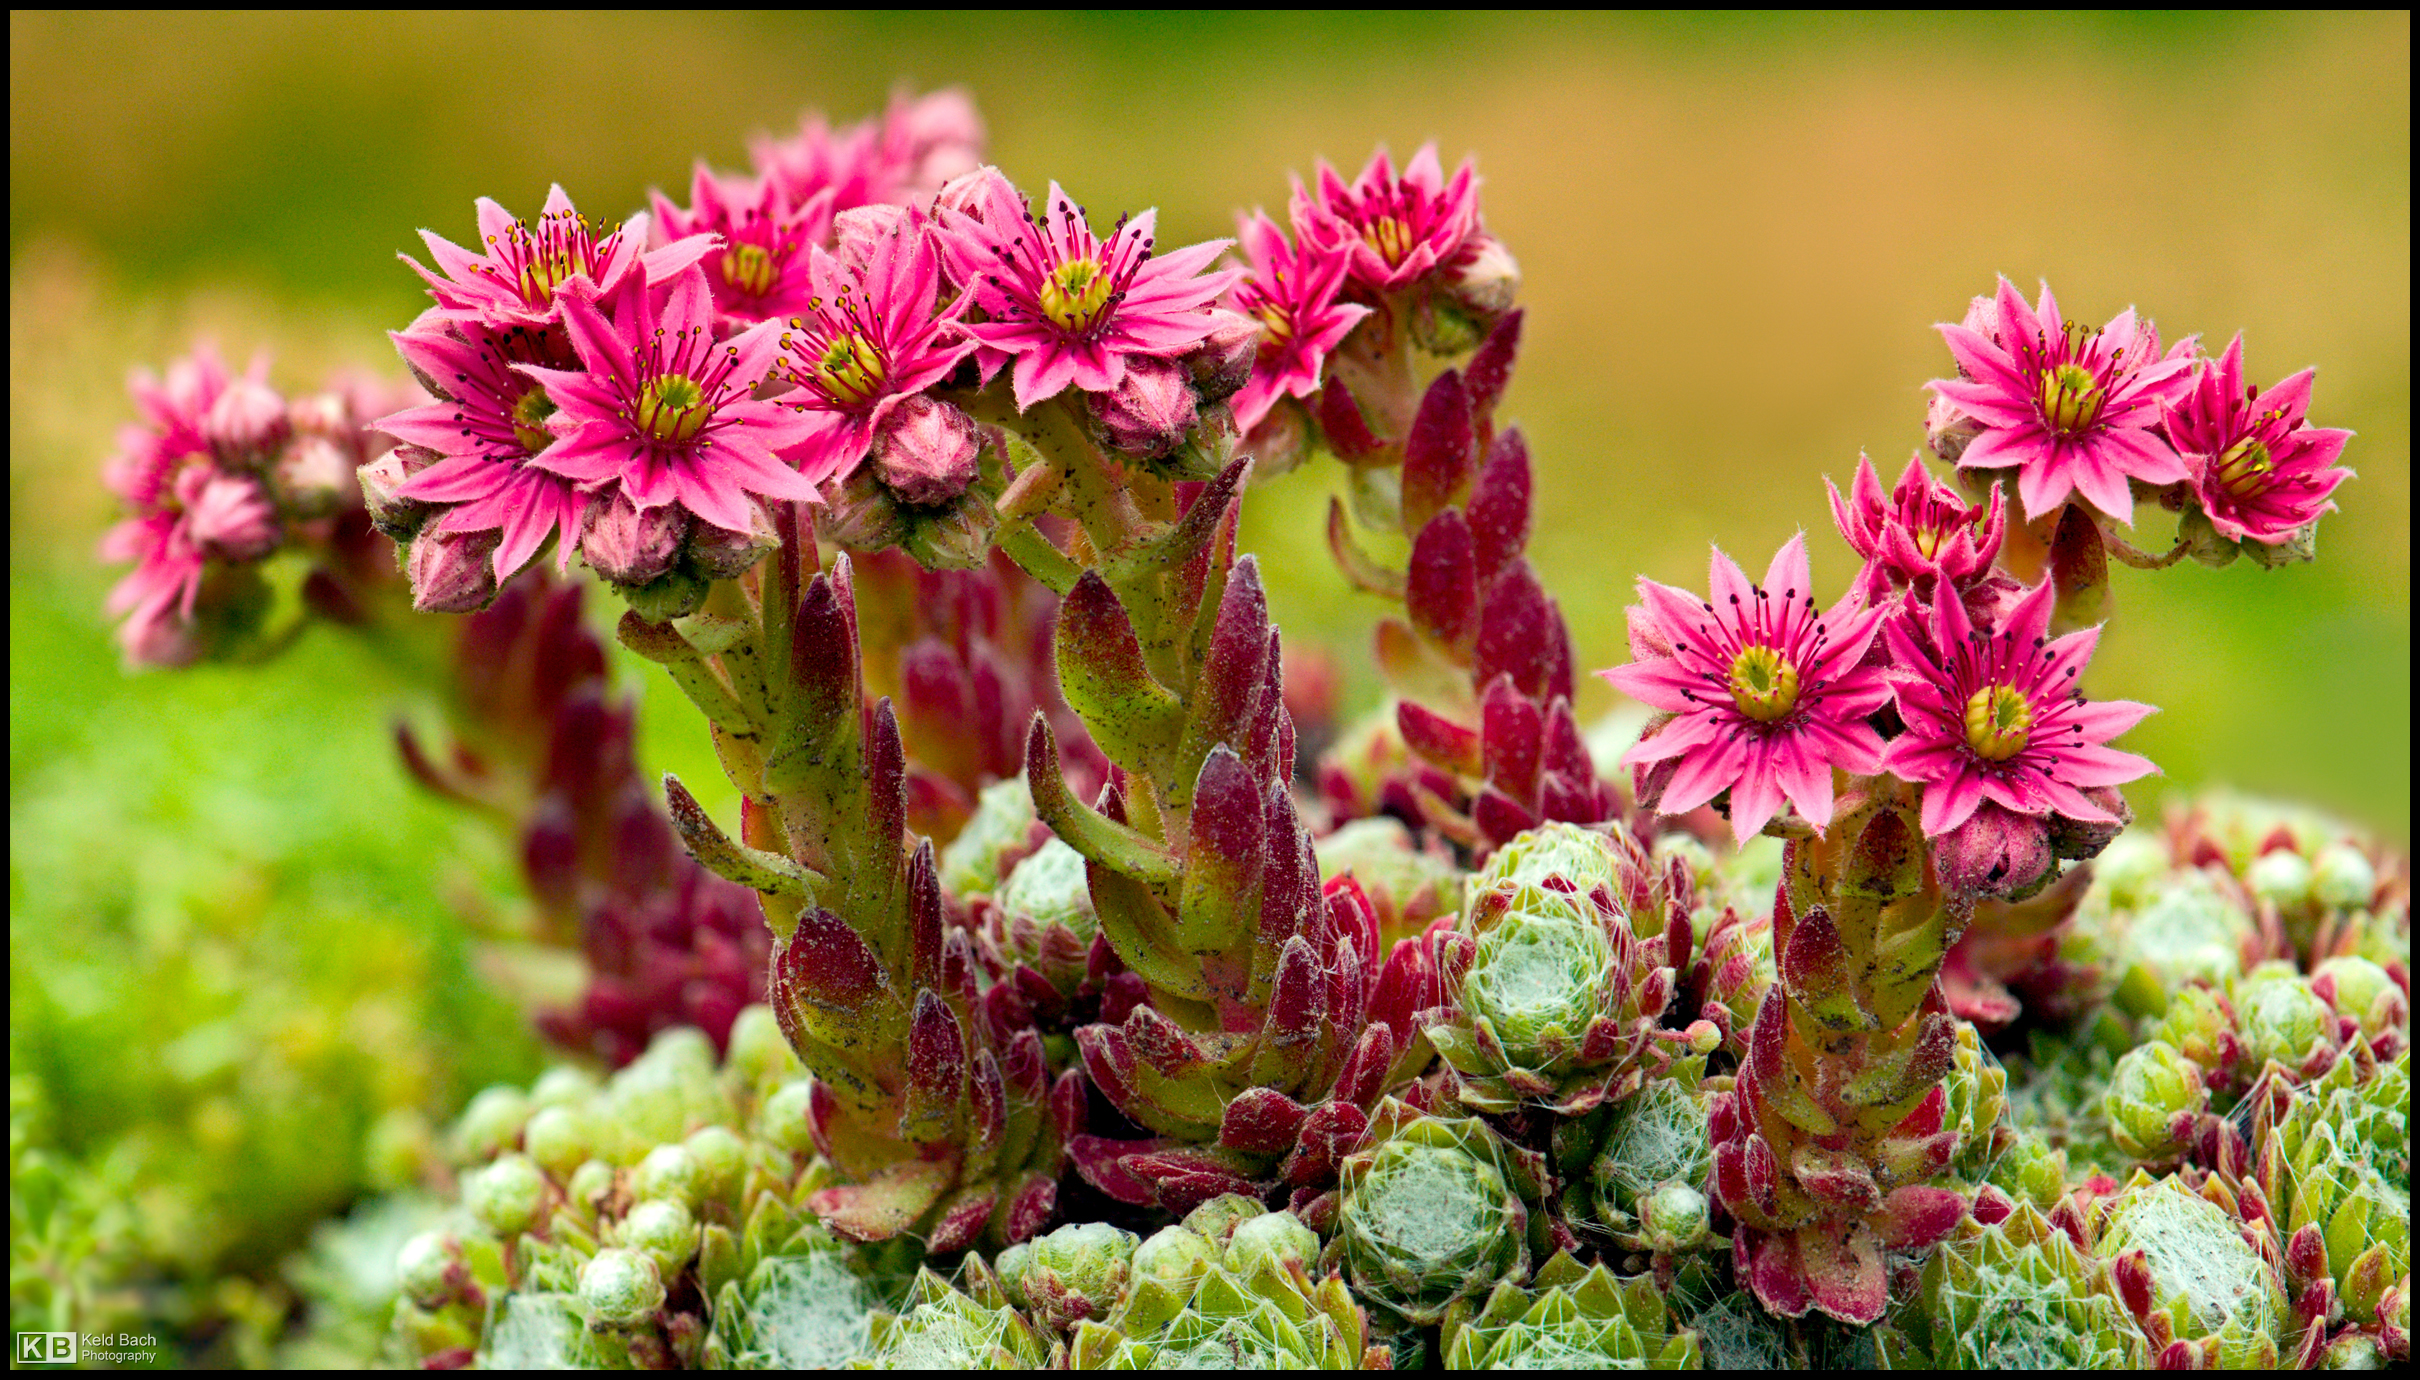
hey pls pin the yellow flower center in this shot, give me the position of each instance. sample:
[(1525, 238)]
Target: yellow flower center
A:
[(851, 371), (749, 268), (1928, 540), (2244, 469), (1998, 722), (1074, 294), (1280, 323), (1390, 237), (530, 412), (2070, 402), (672, 408), (1763, 684)]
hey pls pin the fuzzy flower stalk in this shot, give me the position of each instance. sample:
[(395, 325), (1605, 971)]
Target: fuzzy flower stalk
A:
[(1826, 1148), (1381, 271)]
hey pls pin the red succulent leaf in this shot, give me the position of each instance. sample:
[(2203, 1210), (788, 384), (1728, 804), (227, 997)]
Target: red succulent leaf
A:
[(1441, 585), (1917, 1216), (1261, 1121), (1499, 505), (1437, 460), (1843, 1271)]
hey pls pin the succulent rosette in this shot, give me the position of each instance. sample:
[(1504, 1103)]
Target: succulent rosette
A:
[(2332, 1159), (1767, 696), (2074, 411), (942, 1328), (1571, 1318), (2016, 1294), (2203, 1281), (1552, 999), (1643, 1178), (1432, 1210), (2260, 471), (1231, 1286)]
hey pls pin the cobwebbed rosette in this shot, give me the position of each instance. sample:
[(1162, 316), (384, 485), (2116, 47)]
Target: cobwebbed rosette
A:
[(1432, 1210), (1572, 1318), (2015, 1295), (1552, 1001)]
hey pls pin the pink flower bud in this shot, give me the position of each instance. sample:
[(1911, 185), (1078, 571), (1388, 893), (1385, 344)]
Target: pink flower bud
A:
[(926, 452), (1149, 413), (629, 545), (156, 634), (973, 193), (382, 482), (247, 422), (1279, 440), (1483, 277), (230, 515), (2078, 838), (1947, 430), (1222, 363), (721, 554), (315, 476), (328, 414), (452, 571), (1996, 852)]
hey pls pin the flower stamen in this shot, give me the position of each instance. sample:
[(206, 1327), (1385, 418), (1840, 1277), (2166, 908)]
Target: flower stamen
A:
[(672, 408), (1999, 720), (2071, 400), (1764, 684)]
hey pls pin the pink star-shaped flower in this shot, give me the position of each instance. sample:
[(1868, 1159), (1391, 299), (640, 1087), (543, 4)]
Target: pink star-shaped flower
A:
[(1293, 295), (869, 336), (1767, 695), (2074, 411), (663, 409), (516, 279), (1070, 308), (2260, 470), (1391, 229), (1995, 715), (489, 423)]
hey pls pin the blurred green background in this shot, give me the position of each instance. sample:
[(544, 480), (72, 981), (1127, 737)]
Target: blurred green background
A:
[(1735, 234)]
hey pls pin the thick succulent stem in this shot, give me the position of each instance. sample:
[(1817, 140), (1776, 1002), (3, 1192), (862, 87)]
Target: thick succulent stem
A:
[(944, 1125), (1482, 657), (1825, 1146)]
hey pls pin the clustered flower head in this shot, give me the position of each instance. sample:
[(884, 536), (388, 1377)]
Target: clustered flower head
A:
[(222, 473), (1529, 1016)]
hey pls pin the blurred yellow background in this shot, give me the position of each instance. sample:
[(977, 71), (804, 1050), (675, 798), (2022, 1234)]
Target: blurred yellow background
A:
[(1735, 234)]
